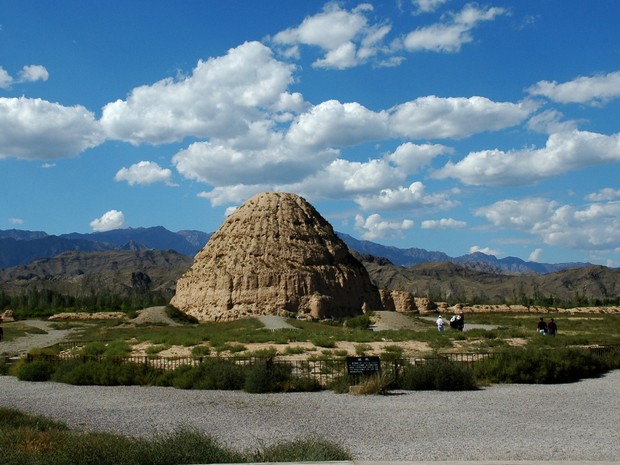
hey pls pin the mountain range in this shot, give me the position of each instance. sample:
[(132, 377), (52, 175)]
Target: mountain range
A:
[(19, 247), (145, 261)]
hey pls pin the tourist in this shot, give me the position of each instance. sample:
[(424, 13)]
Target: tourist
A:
[(542, 326), (439, 323), (1, 330), (552, 328)]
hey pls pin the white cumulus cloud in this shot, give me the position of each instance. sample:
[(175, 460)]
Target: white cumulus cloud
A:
[(144, 172), (403, 198), (346, 37), (28, 73), (41, 130), (484, 250), (110, 220), (590, 227), (585, 89), (219, 99), (535, 255), (413, 157), (374, 227), (449, 36), (443, 223), (33, 73), (334, 123), (607, 193), (455, 117), (564, 152)]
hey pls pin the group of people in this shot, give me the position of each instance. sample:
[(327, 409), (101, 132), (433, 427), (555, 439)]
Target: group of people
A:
[(457, 322), (545, 328)]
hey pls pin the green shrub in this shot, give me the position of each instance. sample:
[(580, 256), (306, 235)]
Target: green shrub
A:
[(362, 349), (392, 352), (34, 371), (294, 350), (359, 322), (117, 349), (94, 348), (264, 353), (4, 366), (302, 384), (323, 341), (211, 374), (200, 351), (340, 385), (266, 376), (437, 374), (108, 372), (15, 419), (303, 450), (539, 366), (35, 440), (378, 383), (155, 349)]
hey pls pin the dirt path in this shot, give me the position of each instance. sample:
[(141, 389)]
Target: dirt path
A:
[(275, 322), (154, 315), (391, 321), (22, 345)]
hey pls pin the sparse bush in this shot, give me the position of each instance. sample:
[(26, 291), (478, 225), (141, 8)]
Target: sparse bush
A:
[(323, 341), (362, 349), (378, 383), (538, 366), (267, 376), (340, 385), (108, 372), (93, 348), (264, 353), (34, 371), (211, 374), (4, 366), (437, 375), (303, 450), (359, 322), (294, 350), (155, 349), (392, 352), (200, 351), (28, 439), (117, 349)]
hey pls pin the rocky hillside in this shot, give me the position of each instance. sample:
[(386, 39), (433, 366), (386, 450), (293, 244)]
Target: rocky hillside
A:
[(85, 273), (588, 285)]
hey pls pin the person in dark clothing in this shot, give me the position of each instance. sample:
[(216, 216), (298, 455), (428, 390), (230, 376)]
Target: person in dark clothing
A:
[(552, 328), (542, 326)]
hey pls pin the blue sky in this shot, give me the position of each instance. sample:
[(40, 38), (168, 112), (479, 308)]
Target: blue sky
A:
[(439, 124)]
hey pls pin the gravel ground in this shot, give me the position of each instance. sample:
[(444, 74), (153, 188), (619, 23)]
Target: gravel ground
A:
[(577, 421)]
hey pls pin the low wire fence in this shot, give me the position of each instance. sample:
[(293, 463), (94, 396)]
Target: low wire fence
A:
[(323, 370)]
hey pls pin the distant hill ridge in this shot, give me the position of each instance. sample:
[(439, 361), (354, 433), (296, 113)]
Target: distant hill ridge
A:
[(19, 247)]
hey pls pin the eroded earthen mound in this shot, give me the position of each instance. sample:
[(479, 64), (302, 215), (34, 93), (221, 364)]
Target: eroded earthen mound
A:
[(275, 255)]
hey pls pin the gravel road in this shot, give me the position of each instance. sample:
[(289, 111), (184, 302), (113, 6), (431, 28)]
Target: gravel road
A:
[(578, 421)]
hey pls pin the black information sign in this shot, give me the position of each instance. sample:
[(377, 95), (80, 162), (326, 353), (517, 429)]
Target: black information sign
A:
[(363, 365)]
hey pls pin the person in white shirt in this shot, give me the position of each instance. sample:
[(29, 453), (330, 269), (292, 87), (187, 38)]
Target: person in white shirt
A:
[(440, 323)]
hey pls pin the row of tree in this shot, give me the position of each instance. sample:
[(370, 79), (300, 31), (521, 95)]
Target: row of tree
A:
[(35, 302)]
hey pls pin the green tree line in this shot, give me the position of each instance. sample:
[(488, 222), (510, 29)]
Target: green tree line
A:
[(42, 302)]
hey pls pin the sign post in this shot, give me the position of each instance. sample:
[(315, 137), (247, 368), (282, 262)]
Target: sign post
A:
[(363, 366)]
